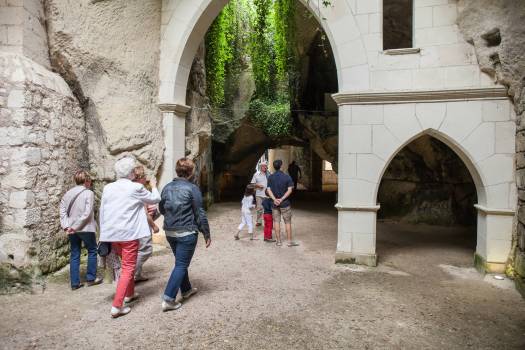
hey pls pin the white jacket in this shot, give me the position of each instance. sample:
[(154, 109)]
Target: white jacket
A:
[(247, 204), (122, 214)]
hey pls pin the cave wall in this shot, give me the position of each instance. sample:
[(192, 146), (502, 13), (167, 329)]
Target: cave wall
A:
[(108, 52), (496, 30), (427, 182), (199, 126)]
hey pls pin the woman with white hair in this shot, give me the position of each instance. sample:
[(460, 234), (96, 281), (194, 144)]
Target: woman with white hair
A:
[(123, 222)]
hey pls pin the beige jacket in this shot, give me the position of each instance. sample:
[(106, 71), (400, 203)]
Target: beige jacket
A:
[(81, 217)]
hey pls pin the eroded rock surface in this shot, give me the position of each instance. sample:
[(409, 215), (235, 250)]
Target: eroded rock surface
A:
[(199, 125), (497, 31), (427, 182), (108, 52)]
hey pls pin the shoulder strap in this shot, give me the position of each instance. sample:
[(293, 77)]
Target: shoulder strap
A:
[(73, 201)]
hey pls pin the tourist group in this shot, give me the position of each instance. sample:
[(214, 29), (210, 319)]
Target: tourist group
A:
[(128, 209)]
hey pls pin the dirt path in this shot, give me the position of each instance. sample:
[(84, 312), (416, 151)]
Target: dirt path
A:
[(254, 295)]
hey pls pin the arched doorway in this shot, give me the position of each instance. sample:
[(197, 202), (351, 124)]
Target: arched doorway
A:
[(427, 212)]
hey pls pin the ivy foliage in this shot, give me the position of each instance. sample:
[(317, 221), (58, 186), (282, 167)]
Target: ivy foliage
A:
[(272, 58), (273, 117), (261, 35), (226, 42)]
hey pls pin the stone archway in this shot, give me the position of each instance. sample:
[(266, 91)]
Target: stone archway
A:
[(378, 129), (184, 24)]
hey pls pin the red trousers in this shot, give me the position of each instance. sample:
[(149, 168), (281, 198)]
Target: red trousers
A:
[(268, 226), (126, 284)]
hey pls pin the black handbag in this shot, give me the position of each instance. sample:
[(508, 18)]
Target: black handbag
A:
[(104, 248)]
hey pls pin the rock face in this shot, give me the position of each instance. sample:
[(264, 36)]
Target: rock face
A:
[(496, 30), (42, 142), (110, 60), (427, 182), (198, 126)]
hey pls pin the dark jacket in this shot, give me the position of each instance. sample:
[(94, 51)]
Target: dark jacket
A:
[(181, 205), (267, 204)]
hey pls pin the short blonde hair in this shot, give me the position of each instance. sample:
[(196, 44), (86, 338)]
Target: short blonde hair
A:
[(81, 176), (185, 168), (138, 172)]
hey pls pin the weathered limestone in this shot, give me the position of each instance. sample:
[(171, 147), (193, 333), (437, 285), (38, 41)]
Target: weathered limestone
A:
[(110, 60), (199, 126), (495, 30), (42, 142), (426, 182)]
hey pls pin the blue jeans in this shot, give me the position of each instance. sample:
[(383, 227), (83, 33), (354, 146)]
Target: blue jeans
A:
[(75, 242), (183, 249)]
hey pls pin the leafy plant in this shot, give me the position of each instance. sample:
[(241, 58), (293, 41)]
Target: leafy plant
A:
[(272, 117)]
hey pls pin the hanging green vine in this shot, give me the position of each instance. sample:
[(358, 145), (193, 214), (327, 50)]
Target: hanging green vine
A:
[(259, 34), (284, 38), (218, 54)]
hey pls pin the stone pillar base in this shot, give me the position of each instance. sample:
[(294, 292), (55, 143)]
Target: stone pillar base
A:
[(488, 267), (359, 259)]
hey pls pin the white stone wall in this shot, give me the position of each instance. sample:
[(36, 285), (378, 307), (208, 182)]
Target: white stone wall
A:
[(42, 143), (22, 29), (445, 59), (481, 132)]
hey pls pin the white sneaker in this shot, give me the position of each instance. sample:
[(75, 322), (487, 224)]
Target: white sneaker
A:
[(189, 293), (170, 305), (117, 312), (131, 298)]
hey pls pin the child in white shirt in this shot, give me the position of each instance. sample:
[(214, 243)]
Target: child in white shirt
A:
[(246, 213)]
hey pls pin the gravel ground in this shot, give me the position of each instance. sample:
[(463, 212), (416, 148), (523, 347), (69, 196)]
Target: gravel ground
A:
[(253, 295)]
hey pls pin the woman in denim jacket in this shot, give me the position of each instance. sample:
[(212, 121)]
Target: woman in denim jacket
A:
[(184, 217)]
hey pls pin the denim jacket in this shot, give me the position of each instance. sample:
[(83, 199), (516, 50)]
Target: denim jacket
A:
[(181, 205)]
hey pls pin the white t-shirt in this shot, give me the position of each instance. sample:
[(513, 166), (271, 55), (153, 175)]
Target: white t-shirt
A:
[(247, 204), (260, 178)]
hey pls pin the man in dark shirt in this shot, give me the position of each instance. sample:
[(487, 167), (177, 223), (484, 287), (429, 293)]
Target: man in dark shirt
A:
[(280, 187)]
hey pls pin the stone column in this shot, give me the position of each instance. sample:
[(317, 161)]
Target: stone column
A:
[(494, 238), (357, 206), (174, 128)]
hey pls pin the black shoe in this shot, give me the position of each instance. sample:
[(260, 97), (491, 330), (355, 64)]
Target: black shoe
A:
[(77, 286), (94, 282), (271, 240)]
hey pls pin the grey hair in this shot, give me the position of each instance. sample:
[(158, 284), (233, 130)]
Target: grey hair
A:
[(124, 167)]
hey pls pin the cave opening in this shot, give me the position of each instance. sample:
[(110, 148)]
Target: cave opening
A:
[(260, 86), (427, 197)]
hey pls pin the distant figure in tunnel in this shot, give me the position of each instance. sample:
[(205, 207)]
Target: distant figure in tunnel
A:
[(260, 180), (295, 173), (280, 187)]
